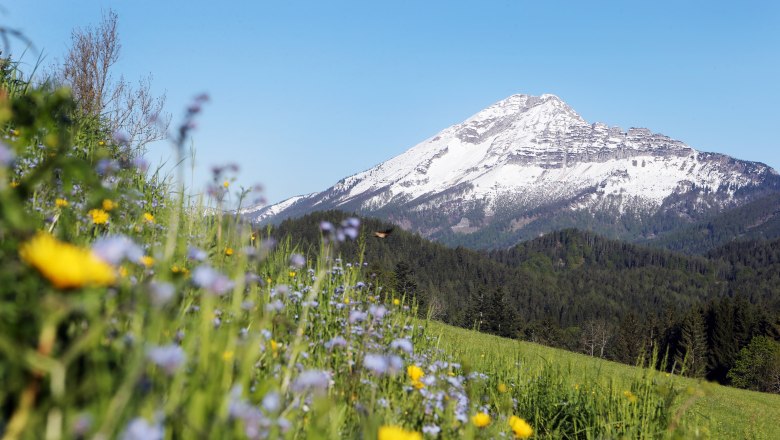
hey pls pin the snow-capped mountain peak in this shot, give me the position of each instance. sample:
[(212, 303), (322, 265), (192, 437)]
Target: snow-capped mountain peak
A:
[(513, 164)]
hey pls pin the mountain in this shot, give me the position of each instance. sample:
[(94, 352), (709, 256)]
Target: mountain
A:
[(527, 165)]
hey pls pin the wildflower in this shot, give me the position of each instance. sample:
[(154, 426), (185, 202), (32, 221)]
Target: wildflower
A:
[(227, 355), (337, 341), (210, 279), (275, 345), (229, 251), (61, 203), (148, 217), (108, 205), (275, 306), (64, 265), (396, 301), (502, 388), (311, 380), (397, 433), (7, 155), (226, 184), (404, 345), (99, 216), (357, 316), (520, 427), (414, 372), (194, 253), (630, 396), (140, 429), (113, 249), (272, 402), (168, 357), (326, 226), (14, 184), (379, 364), (146, 261), (253, 236), (297, 261), (480, 420), (431, 430), (161, 293)]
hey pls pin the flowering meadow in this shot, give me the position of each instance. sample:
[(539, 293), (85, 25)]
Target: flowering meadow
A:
[(132, 309)]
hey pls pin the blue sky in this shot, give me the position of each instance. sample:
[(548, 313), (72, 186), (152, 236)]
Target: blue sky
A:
[(305, 93)]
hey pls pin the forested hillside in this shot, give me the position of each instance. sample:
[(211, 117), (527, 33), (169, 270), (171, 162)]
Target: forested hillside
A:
[(580, 291)]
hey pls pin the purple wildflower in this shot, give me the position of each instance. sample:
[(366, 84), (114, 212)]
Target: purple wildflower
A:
[(161, 292), (211, 280), (311, 380), (196, 254), (140, 429), (297, 261), (402, 344), (7, 155), (337, 341), (168, 357), (113, 249)]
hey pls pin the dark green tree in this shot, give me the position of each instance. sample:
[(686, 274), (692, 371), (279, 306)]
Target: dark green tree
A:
[(691, 356), (758, 366)]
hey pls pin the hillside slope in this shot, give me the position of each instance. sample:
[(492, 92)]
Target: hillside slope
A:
[(730, 413)]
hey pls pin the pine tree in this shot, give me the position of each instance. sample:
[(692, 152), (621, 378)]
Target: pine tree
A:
[(691, 354)]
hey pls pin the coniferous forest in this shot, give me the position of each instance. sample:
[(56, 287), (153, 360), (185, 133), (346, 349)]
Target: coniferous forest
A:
[(705, 315)]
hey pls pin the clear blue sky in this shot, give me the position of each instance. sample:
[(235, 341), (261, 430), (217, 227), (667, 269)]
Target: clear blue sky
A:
[(305, 93)]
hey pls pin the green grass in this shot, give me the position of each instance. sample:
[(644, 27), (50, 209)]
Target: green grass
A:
[(726, 412)]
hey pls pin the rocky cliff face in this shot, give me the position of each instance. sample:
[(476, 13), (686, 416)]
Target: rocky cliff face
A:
[(527, 165)]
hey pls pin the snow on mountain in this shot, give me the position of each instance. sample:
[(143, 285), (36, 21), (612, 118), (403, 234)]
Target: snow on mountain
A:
[(527, 158)]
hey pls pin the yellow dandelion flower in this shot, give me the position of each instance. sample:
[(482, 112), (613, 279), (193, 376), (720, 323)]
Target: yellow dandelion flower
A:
[(275, 345), (14, 184), (502, 388), (15, 132), (480, 420), (148, 217), (253, 236), (109, 204), (147, 261), (396, 301), (630, 396), (346, 300), (175, 269), (99, 216), (61, 203), (228, 251), (101, 143), (226, 184), (397, 433), (65, 265), (418, 384), (414, 372), (520, 427), (291, 274)]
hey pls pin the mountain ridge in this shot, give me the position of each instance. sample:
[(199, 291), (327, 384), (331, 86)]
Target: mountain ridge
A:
[(526, 160)]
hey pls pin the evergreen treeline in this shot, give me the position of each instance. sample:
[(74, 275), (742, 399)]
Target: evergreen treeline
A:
[(758, 220), (579, 291)]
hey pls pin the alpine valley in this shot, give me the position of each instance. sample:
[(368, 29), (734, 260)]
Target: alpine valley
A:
[(528, 165)]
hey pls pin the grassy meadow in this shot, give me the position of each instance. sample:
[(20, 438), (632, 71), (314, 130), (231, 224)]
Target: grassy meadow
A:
[(724, 412), (131, 308)]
